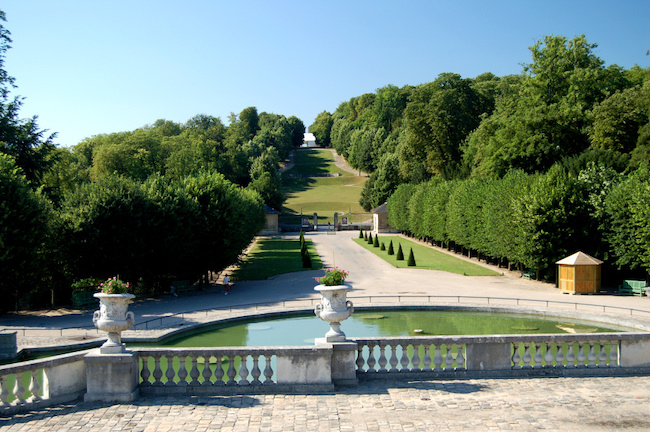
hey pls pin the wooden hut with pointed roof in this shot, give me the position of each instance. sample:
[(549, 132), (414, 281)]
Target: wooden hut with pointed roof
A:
[(579, 274)]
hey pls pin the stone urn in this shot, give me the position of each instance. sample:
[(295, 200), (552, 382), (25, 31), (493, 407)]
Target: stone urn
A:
[(334, 307), (113, 317)]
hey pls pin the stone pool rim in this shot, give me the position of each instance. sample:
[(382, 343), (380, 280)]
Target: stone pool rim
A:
[(634, 324)]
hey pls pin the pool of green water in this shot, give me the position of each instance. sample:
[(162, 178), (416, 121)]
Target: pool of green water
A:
[(302, 330)]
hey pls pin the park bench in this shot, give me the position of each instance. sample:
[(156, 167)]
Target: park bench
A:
[(633, 287), (528, 274), (183, 286)]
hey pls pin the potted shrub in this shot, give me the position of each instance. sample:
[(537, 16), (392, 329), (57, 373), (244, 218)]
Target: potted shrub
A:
[(334, 306), (113, 316)]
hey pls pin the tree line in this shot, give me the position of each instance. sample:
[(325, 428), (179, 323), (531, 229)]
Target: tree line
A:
[(522, 168), (166, 201)]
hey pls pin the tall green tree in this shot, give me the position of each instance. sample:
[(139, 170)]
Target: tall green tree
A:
[(322, 128), (21, 138)]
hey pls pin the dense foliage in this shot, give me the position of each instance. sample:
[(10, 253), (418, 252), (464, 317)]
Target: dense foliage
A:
[(522, 169), (166, 201)]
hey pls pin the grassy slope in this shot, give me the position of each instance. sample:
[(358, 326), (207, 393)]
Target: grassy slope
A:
[(425, 257), (270, 257), (323, 195)]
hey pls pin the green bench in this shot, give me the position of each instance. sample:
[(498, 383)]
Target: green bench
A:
[(183, 286), (528, 274), (633, 287)]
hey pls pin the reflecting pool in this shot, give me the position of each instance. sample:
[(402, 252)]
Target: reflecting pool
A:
[(302, 330)]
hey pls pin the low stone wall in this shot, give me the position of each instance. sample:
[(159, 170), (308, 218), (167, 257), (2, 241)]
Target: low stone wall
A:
[(41, 383), (250, 370)]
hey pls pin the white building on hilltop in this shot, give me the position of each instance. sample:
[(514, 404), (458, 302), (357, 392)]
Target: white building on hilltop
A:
[(308, 140)]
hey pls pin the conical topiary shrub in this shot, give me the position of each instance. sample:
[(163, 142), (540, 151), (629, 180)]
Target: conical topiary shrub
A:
[(400, 253), (411, 260), (306, 261), (382, 247), (365, 236), (391, 251), (370, 238), (376, 242), (360, 234), (302, 237)]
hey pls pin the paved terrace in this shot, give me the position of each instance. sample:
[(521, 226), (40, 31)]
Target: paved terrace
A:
[(482, 404)]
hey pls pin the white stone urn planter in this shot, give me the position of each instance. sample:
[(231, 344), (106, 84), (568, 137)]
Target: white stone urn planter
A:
[(113, 317), (334, 308)]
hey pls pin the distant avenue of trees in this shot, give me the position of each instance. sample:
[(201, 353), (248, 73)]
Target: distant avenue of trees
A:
[(165, 201), (523, 169)]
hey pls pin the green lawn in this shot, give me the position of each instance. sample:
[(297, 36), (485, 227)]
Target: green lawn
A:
[(425, 257), (322, 195), (270, 257)]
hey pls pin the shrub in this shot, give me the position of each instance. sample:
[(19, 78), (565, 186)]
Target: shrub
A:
[(400, 253), (411, 260), (391, 251), (376, 242), (360, 234), (370, 238), (382, 247)]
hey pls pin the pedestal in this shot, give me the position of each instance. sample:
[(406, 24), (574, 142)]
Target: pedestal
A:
[(111, 377)]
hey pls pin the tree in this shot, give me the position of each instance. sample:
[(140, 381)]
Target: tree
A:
[(321, 128), (398, 211), (20, 138), (26, 228)]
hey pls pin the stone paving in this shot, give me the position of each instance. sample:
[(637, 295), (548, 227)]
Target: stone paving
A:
[(567, 404)]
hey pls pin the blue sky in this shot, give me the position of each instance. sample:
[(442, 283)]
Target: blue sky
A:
[(89, 67)]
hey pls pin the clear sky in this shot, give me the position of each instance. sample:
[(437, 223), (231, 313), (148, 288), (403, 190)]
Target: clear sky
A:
[(89, 67)]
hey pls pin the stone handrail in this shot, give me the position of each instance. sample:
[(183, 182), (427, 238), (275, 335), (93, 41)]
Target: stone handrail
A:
[(41, 383), (509, 355), (252, 369)]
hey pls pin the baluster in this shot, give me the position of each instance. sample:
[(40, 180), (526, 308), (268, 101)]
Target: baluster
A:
[(437, 358), (527, 357), (268, 370), (570, 355), (35, 387), (602, 355), (426, 361), (232, 373), (371, 358), (157, 371), (207, 371), (404, 361), (538, 355), (182, 371), (548, 357), (393, 358), (613, 354), (170, 373), (383, 361), (516, 358), (416, 358), (559, 356), (360, 360), (4, 391), (19, 389), (243, 371), (194, 372), (592, 355), (460, 357), (256, 372), (581, 355), (449, 359), (218, 372), (145, 373)]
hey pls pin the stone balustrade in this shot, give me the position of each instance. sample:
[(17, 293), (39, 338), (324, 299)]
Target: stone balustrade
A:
[(236, 369), (214, 371), (40, 383), (513, 355)]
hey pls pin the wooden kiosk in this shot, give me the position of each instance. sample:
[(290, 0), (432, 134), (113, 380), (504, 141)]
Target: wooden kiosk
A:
[(579, 274)]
